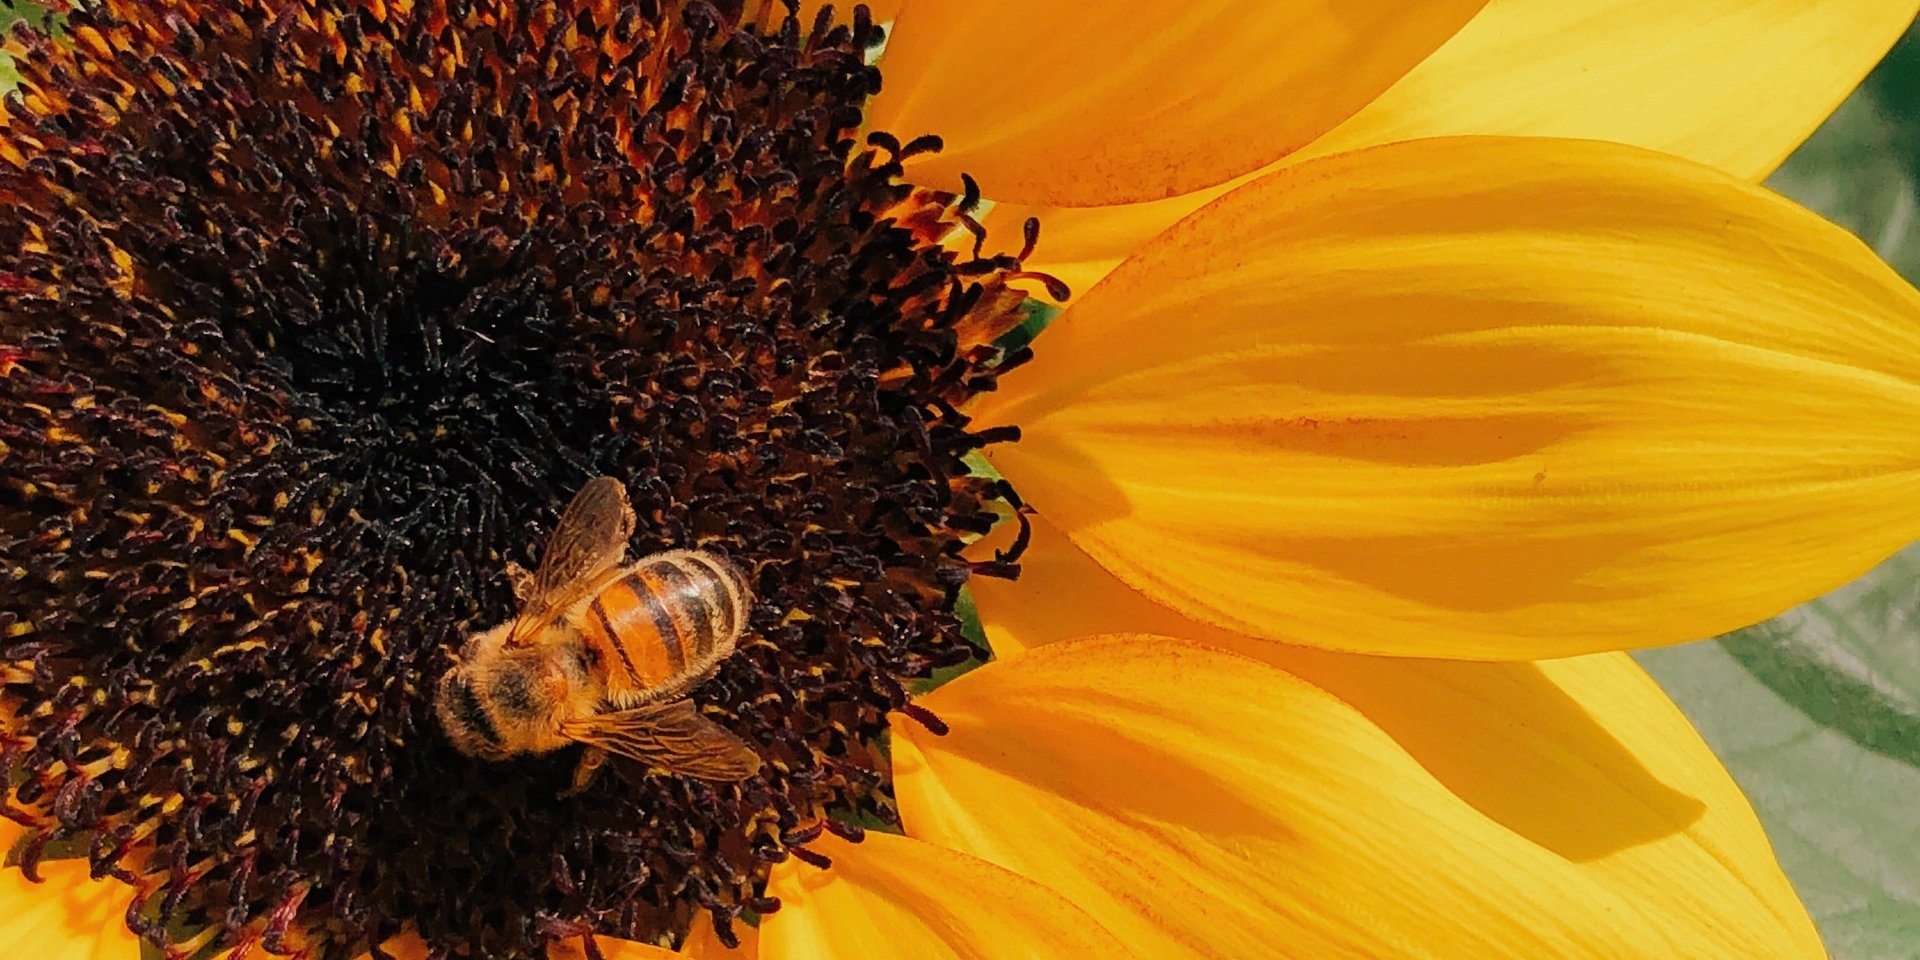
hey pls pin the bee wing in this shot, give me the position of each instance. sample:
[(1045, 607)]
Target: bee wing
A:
[(672, 736), (591, 536)]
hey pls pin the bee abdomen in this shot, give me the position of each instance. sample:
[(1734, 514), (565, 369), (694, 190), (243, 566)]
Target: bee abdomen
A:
[(728, 594), (705, 597), (668, 616)]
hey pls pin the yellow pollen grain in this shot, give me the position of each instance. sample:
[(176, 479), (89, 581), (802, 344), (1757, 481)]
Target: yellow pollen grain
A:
[(240, 646)]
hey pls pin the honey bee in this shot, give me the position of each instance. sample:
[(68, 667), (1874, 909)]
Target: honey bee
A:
[(603, 653)]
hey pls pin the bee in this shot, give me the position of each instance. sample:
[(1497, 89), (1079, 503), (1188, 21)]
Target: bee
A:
[(603, 653)]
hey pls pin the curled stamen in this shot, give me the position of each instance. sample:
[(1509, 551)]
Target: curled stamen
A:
[(1056, 288), (723, 929), (811, 858), (992, 435), (1030, 234), (970, 199), (926, 718), (850, 832), (801, 836), (925, 143)]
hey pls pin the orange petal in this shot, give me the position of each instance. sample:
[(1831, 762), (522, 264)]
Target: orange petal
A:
[(1486, 398), (1082, 104), (891, 896), (1575, 754), (1201, 804), (67, 916), (1736, 84)]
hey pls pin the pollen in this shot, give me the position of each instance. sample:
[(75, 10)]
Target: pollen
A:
[(314, 314)]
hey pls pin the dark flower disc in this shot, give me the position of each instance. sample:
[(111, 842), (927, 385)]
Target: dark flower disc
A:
[(313, 314)]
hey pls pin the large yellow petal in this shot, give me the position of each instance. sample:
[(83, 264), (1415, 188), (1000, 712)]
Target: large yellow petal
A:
[(1585, 756), (1736, 84), (1082, 104), (67, 916), (891, 896), (1201, 804), (1488, 398)]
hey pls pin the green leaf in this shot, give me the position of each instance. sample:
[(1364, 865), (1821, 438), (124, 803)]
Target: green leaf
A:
[(1817, 714)]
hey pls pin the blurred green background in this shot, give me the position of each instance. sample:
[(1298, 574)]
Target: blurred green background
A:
[(1817, 712)]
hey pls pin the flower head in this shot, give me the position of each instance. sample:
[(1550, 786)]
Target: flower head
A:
[(319, 313)]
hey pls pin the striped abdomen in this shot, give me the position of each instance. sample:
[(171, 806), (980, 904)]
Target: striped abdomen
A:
[(663, 622)]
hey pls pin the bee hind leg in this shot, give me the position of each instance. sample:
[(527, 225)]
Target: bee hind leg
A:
[(590, 762)]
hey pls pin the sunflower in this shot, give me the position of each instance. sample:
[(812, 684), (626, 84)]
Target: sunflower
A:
[(1380, 390)]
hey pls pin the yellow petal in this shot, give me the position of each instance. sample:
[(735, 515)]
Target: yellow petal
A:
[(1081, 104), (67, 916), (1736, 84), (891, 896), (1063, 594), (1201, 804), (1732, 83), (1485, 398), (1579, 755)]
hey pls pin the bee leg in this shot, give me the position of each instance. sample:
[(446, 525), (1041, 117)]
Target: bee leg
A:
[(590, 763), (522, 582)]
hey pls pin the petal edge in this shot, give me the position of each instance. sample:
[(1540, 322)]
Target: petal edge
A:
[(1490, 398)]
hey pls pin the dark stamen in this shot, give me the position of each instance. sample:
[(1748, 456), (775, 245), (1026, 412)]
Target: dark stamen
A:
[(926, 718), (811, 858)]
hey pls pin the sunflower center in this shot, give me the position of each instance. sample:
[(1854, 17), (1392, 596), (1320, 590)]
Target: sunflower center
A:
[(311, 318)]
